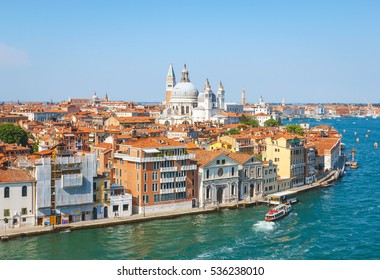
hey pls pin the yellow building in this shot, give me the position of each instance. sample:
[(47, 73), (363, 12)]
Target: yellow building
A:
[(288, 153), (101, 192), (237, 143)]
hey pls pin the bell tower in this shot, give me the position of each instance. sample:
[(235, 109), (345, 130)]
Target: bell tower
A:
[(170, 83)]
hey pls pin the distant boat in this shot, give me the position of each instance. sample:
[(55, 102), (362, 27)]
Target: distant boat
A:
[(278, 212), (354, 165)]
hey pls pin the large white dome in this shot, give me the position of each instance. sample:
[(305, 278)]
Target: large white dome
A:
[(184, 90)]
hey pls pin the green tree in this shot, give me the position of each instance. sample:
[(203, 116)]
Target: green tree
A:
[(233, 131), (295, 128), (35, 146), (271, 122), (249, 121), (10, 133)]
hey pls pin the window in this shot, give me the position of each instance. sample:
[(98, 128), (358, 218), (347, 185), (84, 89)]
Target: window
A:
[(145, 176), (125, 207), (155, 176), (6, 213), (207, 174), (144, 166), (233, 171), (24, 191), (137, 166), (94, 186), (156, 198), (24, 211), (218, 161), (106, 196), (208, 193), (6, 192), (145, 198), (154, 187), (115, 208), (94, 197), (223, 161), (106, 184), (156, 165), (145, 188)]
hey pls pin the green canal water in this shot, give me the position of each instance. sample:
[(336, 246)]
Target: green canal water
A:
[(341, 222)]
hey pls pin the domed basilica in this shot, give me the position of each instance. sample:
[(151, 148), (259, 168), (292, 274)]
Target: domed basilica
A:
[(185, 105)]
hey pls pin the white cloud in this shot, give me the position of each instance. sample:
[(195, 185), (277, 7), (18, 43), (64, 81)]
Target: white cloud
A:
[(13, 58)]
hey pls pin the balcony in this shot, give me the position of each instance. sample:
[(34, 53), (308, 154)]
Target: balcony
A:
[(167, 180), (189, 167), (136, 159), (169, 169), (297, 165), (181, 157), (152, 159), (166, 191), (180, 179), (183, 189)]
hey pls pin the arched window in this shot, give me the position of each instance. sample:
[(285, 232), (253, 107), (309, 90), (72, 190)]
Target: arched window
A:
[(6, 192), (233, 171), (208, 193), (187, 109), (233, 190), (24, 191)]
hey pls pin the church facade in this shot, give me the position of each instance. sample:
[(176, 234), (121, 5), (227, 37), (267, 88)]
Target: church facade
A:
[(185, 105)]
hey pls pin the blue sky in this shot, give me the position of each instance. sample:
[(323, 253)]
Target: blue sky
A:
[(303, 51)]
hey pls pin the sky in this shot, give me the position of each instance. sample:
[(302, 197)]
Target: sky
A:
[(303, 51)]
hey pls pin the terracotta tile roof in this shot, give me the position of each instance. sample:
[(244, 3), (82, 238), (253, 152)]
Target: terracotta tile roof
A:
[(15, 175), (203, 157), (240, 157)]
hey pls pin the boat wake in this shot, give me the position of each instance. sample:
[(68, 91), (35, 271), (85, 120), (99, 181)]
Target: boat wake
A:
[(264, 226)]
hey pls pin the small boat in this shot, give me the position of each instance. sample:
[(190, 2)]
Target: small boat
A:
[(354, 165), (292, 200), (278, 212)]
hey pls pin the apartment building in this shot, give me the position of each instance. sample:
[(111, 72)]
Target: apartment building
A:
[(158, 172), (288, 153)]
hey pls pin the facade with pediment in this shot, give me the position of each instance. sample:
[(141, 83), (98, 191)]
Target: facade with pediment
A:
[(218, 179)]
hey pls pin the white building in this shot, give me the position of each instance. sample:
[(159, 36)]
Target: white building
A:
[(65, 188), (16, 198), (218, 179), (185, 105), (120, 202)]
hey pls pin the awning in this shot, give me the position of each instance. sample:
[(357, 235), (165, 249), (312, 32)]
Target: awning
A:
[(151, 151)]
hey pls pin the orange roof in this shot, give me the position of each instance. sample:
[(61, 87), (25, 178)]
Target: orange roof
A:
[(240, 157), (15, 175), (203, 157)]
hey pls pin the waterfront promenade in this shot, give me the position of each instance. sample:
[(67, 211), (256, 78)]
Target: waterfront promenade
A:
[(38, 230)]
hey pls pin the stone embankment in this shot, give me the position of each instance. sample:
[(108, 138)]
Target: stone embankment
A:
[(38, 230)]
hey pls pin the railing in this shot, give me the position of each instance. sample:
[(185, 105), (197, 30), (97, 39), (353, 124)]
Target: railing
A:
[(180, 179), (153, 159), (297, 165), (189, 167), (166, 191), (181, 157), (167, 180), (183, 189), (168, 169)]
